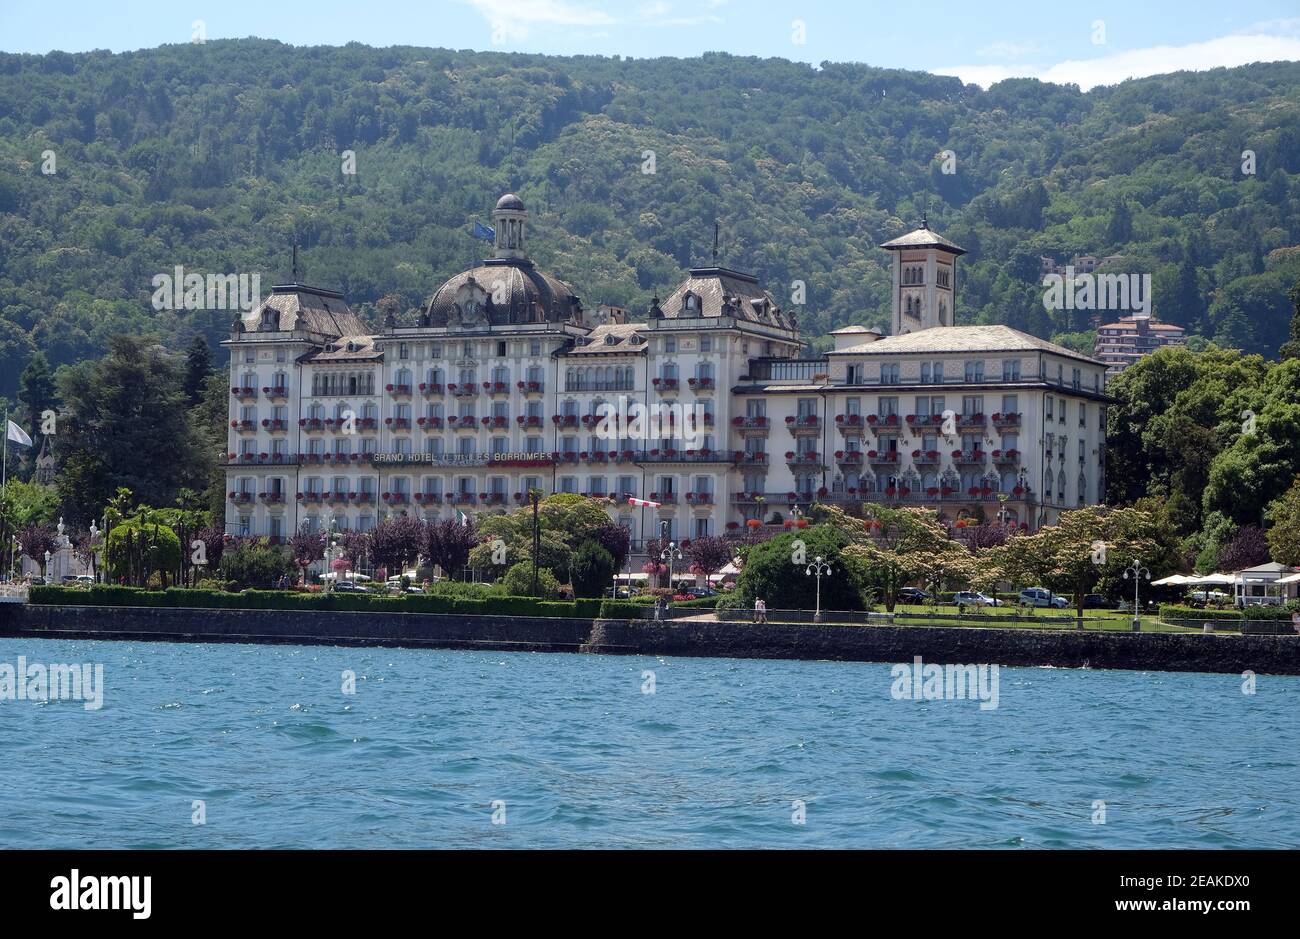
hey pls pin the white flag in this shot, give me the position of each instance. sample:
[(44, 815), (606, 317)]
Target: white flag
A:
[(18, 435)]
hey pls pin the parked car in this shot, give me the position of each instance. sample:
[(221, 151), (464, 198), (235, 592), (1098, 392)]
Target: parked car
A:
[(697, 592), (974, 598), (913, 595), (1096, 601), (347, 586), (1041, 596)]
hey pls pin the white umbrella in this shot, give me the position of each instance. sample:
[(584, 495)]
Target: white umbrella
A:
[(1173, 580)]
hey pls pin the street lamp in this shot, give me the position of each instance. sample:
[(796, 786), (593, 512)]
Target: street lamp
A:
[(1137, 571), (821, 569), (670, 554)]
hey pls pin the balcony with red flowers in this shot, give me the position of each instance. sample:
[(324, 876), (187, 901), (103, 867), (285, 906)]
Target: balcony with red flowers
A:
[(529, 420), (666, 498), (427, 498), (336, 497), (402, 391), (244, 427), (311, 425), (244, 393), (564, 420), (803, 424), (1009, 457), (848, 457), (275, 425), (431, 389), (468, 422), (969, 457), (971, 421), (666, 385), (395, 498), (531, 387), (703, 499), (362, 498), (802, 460), (241, 498), (924, 420), (1009, 419), (750, 425), (850, 424), (884, 421), (700, 384), (751, 458), (463, 391), (495, 423), (398, 423), (276, 392), (311, 498), (272, 498), (430, 423), (493, 498), (496, 388), (883, 457), (567, 456)]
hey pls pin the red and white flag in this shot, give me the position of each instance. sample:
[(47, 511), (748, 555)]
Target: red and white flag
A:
[(642, 502)]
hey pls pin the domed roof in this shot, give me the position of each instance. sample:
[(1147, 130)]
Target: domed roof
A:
[(502, 292), (510, 201)]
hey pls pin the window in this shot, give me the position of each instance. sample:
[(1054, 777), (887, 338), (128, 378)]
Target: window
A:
[(888, 407), (975, 371), (1011, 370), (403, 351), (1047, 407), (1083, 414), (889, 374), (1010, 404), (535, 348), (706, 344), (501, 349), (670, 344)]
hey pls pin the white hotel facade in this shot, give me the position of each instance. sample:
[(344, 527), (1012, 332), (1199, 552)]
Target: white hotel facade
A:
[(499, 388)]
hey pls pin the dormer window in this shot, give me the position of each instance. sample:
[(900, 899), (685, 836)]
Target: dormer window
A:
[(270, 320), (611, 339)]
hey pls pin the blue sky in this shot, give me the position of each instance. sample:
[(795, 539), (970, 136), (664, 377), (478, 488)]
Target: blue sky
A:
[(980, 40)]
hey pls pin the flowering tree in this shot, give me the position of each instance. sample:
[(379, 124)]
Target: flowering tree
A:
[(307, 547), (708, 554), (448, 543), (35, 540), (898, 546), (397, 542)]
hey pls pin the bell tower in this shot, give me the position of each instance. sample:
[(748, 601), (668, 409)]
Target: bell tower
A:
[(924, 283)]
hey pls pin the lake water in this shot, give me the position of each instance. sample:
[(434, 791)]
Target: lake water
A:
[(574, 753)]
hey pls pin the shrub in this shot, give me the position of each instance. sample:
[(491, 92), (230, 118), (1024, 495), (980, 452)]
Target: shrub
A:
[(519, 582), (257, 564), (1174, 611)]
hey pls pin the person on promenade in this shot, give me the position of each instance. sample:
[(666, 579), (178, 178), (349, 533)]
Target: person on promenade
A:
[(760, 610)]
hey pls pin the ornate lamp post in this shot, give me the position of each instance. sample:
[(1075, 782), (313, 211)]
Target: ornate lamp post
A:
[(820, 569), (1137, 572), (670, 554)]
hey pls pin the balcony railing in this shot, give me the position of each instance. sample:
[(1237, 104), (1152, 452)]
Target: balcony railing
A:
[(884, 420), (275, 425), (1009, 419), (564, 420), (969, 456), (971, 420), (666, 498), (395, 498), (700, 384), (427, 498), (750, 424), (244, 427), (430, 423), (665, 384), (398, 423), (463, 391), (395, 390), (804, 458), (848, 457), (529, 420), (850, 423), (275, 391), (699, 498), (243, 392), (261, 459), (1006, 456), (750, 457), (803, 423), (926, 457), (883, 457), (531, 387), (462, 422), (496, 387), (431, 388)]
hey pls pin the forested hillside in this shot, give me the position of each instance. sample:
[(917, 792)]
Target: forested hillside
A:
[(219, 156)]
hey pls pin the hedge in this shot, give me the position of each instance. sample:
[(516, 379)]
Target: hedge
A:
[(1174, 611), (622, 609), (110, 595)]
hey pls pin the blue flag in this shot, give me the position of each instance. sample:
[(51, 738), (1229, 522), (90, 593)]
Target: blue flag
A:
[(486, 232)]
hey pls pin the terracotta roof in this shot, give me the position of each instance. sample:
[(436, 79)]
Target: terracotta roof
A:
[(996, 338)]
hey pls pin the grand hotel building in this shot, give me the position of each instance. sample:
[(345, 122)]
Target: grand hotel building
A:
[(497, 390)]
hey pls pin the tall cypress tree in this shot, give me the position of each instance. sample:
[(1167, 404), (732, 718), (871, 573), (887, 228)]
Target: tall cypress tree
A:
[(37, 394), (198, 366)]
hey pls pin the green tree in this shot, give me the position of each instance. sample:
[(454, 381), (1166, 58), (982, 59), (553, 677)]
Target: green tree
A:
[(37, 394), (126, 425), (198, 369), (256, 563), (591, 570), (775, 572), (518, 582), (1283, 515)]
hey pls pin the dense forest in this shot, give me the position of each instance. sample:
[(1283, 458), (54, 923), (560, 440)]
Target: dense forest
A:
[(219, 156)]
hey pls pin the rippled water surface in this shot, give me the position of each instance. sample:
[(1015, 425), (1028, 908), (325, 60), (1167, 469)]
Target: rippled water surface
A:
[(582, 757)]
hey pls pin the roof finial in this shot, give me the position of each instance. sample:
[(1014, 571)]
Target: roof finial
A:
[(925, 216)]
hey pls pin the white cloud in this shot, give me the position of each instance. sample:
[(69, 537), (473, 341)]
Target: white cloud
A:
[(1271, 42), (513, 19)]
